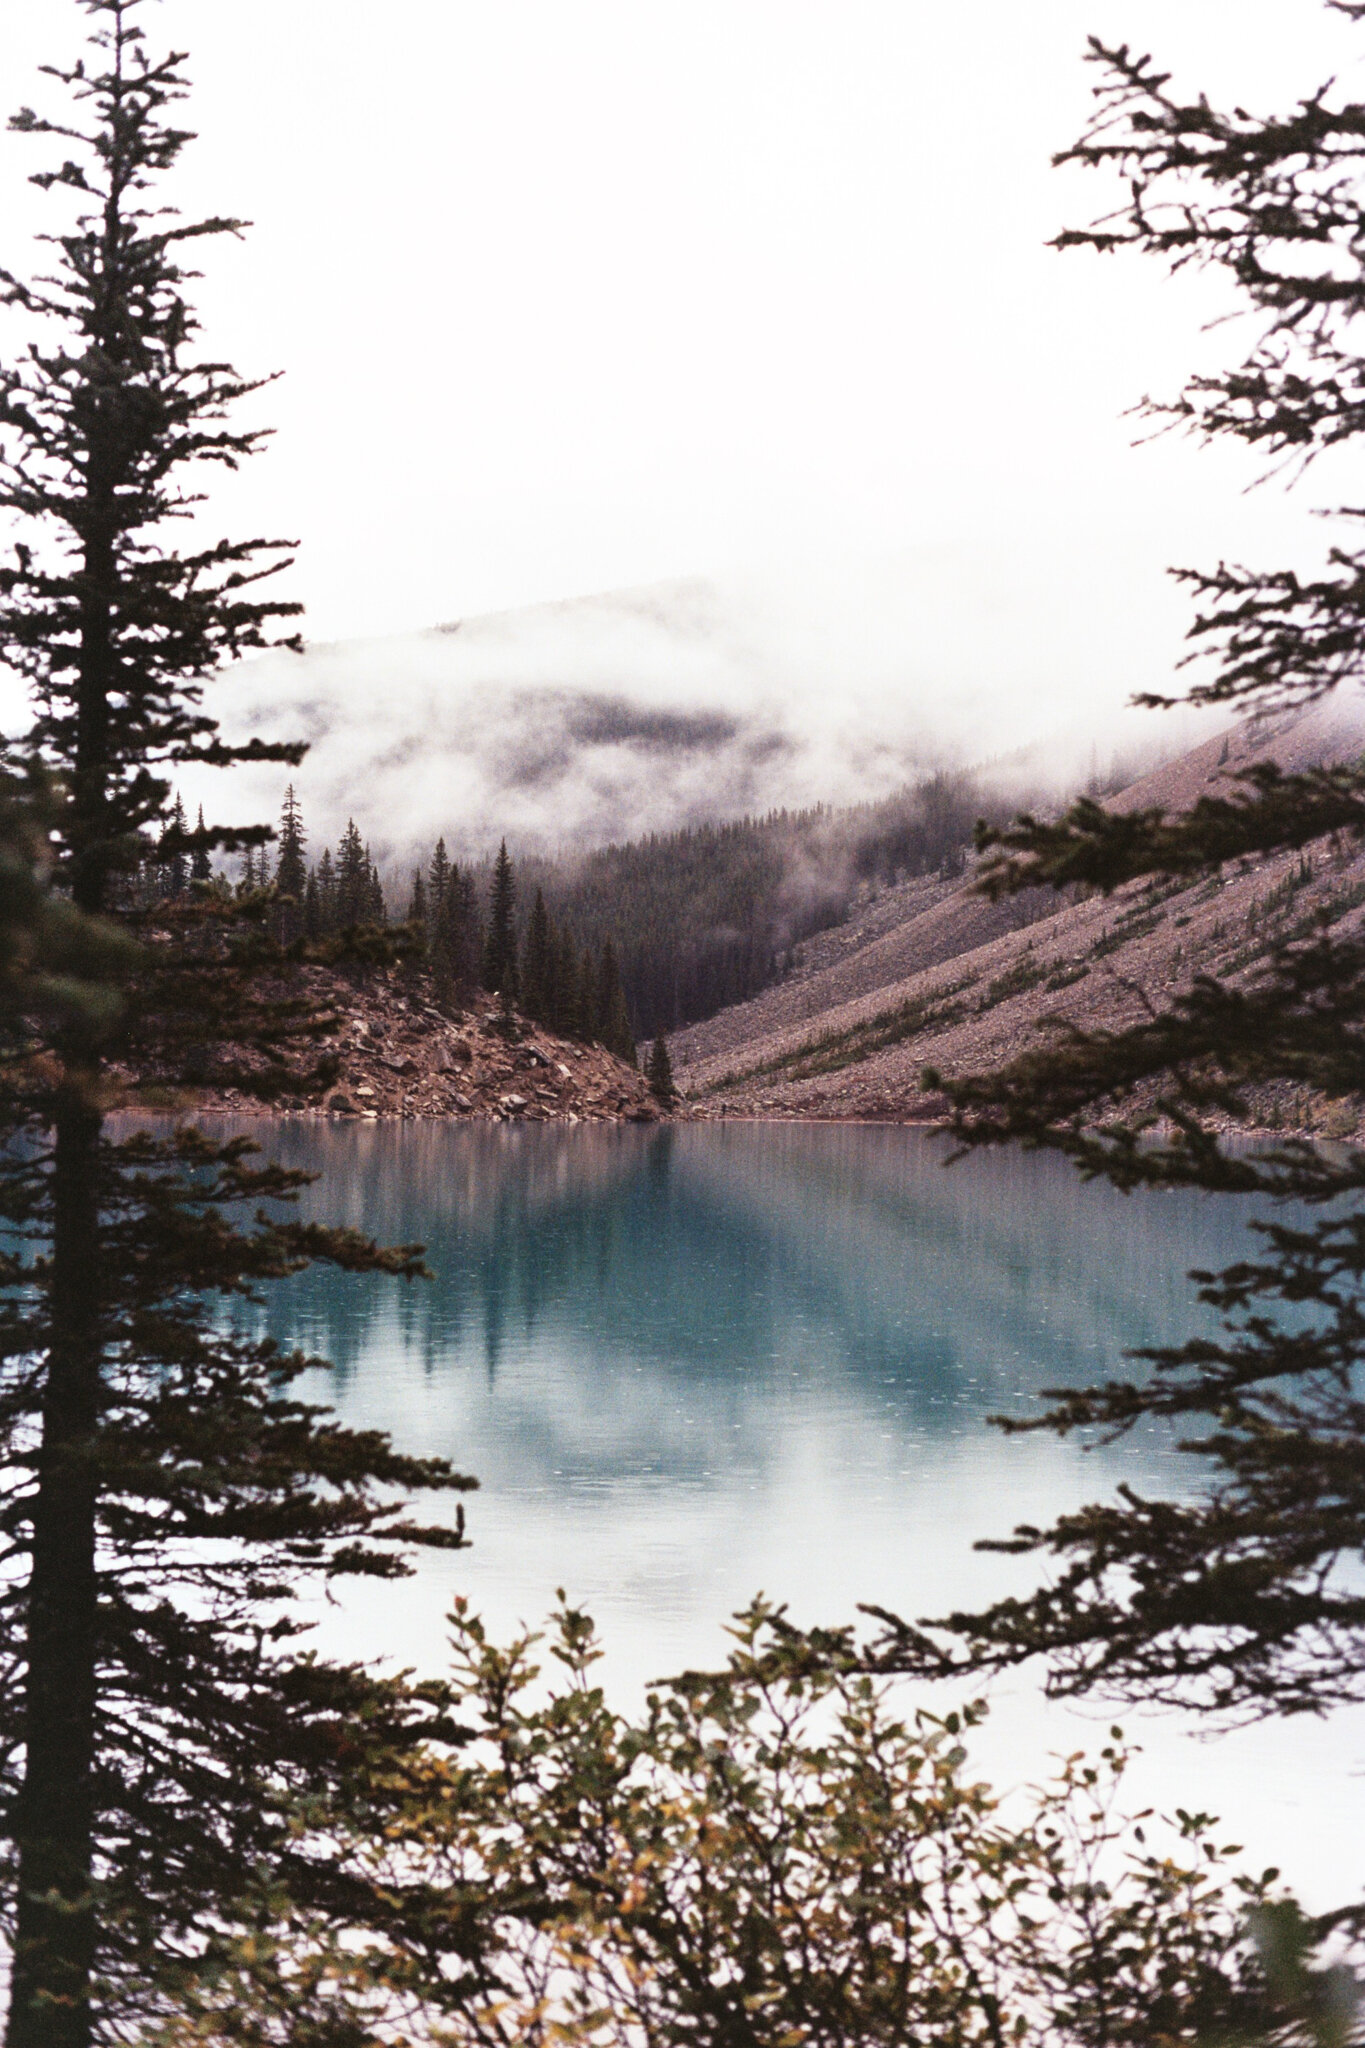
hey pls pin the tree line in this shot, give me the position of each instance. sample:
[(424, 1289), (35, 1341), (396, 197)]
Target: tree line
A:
[(464, 923), (626, 942)]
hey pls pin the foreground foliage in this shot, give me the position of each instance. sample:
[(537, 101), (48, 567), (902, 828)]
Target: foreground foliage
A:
[(765, 1857)]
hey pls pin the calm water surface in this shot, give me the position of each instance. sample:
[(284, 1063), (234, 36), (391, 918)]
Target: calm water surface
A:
[(689, 1364)]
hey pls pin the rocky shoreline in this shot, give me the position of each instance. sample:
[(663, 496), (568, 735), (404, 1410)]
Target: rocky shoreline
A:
[(399, 1053)]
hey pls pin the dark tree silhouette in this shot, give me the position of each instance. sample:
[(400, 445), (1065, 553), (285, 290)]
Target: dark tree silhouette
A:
[(291, 871), (500, 945), (1244, 1598), (165, 1493), (174, 865), (353, 879), (659, 1074), (201, 864), (538, 964), (439, 879)]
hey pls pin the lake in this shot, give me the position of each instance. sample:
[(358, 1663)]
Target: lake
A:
[(691, 1363)]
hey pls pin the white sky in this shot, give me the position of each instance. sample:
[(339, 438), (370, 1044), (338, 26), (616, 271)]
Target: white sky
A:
[(574, 296)]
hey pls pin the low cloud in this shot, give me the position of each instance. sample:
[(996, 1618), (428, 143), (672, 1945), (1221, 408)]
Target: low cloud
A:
[(570, 724)]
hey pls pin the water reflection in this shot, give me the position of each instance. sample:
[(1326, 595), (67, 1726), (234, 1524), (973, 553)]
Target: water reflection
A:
[(689, 1363), (713, 1251)]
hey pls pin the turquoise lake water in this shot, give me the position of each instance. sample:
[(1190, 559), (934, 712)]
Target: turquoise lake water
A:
[(688, 1364)]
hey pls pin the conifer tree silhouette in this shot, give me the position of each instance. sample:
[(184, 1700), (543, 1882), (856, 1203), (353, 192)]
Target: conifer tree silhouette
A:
[(537, 963), (1242, 1598), (291, 871), (500, 945), (659, 1074), (165, 1491)]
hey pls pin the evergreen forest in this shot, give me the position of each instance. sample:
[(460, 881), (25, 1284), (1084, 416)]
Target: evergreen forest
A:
[(712, 914), (622, 943)]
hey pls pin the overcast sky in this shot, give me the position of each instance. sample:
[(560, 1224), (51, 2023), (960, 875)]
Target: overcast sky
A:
[(573, 295)]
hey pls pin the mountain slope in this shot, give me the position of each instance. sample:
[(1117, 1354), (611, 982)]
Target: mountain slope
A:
[(932, 974)]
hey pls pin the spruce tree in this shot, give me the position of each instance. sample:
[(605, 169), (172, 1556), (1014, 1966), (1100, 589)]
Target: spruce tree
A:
[(352, 879), (175, 870), (659, 1074), (538, 964), (500, 945), (417, 904), (438, 882), (376, 910), (312, 907), (1243, 1597), (567, 1007), (166, 1493), (613, 1017), (454, 949), (327, 906), (291, 871), (201, 865)]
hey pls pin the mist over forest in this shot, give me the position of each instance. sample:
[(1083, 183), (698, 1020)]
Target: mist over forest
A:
[(603, 719), (707, 773)]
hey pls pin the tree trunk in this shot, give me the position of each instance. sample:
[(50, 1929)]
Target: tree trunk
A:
[(55, 1933)]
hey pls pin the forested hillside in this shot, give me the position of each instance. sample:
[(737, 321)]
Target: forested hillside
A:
[(709, 916), (680, 924)]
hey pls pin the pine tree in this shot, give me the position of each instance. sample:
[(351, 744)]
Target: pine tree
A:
[(352, 879), (291, 871), (568, 1009), (165, 1492), (376, 910), (538, 964), (1243, 1597), (453, 949), (175, 871), (613, 1017), (438, 882), (659, 1074), (500, 945), (313, 925), (201, 866), (417, 904), (328, 917)]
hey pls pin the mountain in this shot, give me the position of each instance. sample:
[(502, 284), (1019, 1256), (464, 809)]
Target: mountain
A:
[(927, 972)]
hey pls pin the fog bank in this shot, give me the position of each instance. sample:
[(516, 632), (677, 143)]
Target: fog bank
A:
[(600, 718)]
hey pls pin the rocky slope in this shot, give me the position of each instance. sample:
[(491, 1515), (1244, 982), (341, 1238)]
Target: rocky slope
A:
[(399, 1054), (932, 974)]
